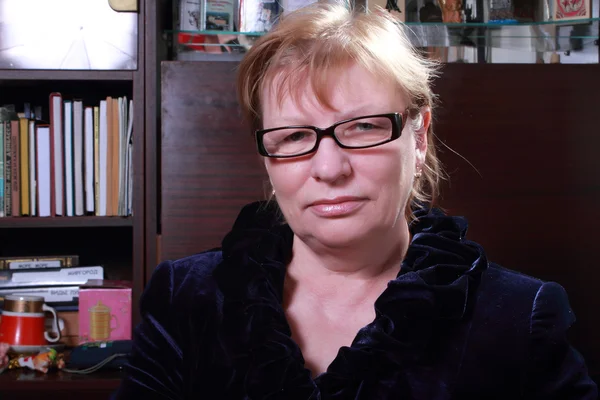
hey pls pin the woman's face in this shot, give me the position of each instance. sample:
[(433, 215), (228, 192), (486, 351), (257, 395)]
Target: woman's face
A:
[(340, 197)]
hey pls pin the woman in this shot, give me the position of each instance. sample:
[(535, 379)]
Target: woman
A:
[(348, 285)]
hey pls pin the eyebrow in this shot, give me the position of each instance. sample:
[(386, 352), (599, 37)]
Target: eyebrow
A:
[(366, 109), (360, 111)]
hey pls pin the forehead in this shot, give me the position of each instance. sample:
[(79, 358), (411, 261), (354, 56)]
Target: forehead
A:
[(342, 93)]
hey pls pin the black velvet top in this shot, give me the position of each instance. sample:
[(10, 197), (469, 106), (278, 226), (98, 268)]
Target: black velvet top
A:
[(452, 325)]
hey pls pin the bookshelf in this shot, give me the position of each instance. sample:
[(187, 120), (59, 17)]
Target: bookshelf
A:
[(72, 75), (19, 384), (65, 222), (115, 242)]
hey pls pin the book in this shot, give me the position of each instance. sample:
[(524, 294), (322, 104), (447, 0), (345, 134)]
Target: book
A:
[(49, 276), (39, 262), (52, 295)]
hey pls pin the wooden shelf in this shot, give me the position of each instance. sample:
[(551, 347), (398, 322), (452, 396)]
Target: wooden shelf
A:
[(64, 222), (83, 75), (23, 383)]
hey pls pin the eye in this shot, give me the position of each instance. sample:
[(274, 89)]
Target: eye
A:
[(364, 126), (296, 136)]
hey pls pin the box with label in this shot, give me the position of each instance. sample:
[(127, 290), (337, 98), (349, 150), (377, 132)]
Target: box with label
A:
[(104, 311)]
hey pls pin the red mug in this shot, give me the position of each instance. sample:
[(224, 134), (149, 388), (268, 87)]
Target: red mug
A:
[(23, 321)]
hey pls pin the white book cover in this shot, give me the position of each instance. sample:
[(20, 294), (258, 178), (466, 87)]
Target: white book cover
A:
[(191, 15), (32, 170), (89, 159), (103, 144), (68, 125), (50, 276), (122, 125), (57, 130), (122, 155), (61, 294), (78, 155), (43, 171)]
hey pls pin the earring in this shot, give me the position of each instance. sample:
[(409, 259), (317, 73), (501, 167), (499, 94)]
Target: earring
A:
[(273, 193), (418, 174)]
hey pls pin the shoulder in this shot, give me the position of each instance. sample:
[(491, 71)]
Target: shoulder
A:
[(517, 312), (529, 320), (510, 308), (545, 304), (498, 282), (178, 281), (191, 270), (506, 293)]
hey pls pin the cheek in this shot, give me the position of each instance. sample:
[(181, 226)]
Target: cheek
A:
[(286, 177), (389, 176), (385, 169)]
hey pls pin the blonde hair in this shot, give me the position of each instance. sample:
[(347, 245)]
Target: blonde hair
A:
[(315, 42)]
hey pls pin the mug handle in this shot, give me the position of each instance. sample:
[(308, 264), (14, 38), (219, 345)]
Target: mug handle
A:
[(54, 324), (112, 316)]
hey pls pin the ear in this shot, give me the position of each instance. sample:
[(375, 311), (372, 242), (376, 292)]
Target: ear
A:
[(421, 137)]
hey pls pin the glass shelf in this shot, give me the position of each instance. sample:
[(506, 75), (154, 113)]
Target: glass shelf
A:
[(536, 37), (570, 37)]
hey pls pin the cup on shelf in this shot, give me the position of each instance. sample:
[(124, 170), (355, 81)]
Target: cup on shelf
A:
[(23, 322)]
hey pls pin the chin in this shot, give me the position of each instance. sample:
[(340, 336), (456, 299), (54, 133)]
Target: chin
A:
[(338, 233)]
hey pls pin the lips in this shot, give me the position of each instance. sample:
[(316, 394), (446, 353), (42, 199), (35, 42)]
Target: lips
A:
[(336, 200), (337, 207)]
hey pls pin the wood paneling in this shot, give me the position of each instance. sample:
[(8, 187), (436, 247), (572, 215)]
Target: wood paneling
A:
[(53, 74), (530, 184), (140, 92), (62, 222), (158, 20), (210, 167)]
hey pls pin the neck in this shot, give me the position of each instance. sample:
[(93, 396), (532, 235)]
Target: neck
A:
[(355, 268)]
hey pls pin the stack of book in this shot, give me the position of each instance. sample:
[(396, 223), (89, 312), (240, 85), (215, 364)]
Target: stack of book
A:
[(78, 162), (55, 278)]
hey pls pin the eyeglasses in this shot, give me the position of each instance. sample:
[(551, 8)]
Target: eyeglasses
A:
[(355, 133)]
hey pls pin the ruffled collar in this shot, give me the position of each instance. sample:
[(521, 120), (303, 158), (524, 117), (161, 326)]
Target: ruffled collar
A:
[(438, 275)]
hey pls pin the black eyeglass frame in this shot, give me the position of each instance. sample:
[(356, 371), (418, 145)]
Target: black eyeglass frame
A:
[(397, 120)]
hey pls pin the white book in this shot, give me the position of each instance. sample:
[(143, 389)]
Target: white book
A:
[(60, 294), (32, 170), (191, 15), (123, 125), (103, 144), (57, 131), (78, 155), (50, 276), (68, 125), (89, 159), (43, 170)]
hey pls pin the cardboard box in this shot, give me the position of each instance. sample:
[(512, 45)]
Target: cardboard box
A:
[(68, 323), (104, 311)]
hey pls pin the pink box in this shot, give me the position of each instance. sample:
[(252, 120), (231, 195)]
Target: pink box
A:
[(104, 311)]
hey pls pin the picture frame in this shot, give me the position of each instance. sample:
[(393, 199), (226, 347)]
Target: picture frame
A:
[(567, 10)]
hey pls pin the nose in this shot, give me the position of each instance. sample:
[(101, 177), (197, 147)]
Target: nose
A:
[(330, 163)]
